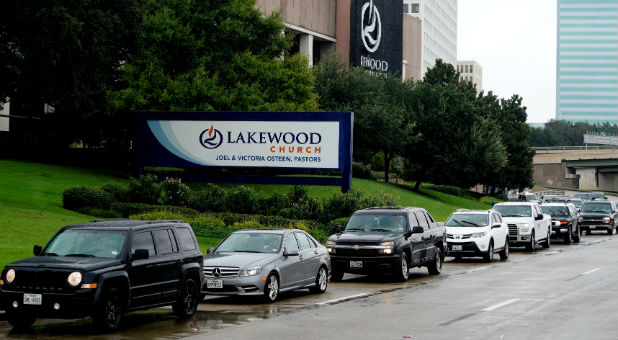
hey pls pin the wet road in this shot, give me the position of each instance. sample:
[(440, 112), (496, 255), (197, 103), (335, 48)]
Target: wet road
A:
[(565, 292)]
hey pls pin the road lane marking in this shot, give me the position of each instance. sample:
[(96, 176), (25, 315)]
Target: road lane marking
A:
[(584, 274), (501, 304), (460, 318)]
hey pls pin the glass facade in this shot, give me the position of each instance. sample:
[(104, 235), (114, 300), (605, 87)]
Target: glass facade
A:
[(587, 61)]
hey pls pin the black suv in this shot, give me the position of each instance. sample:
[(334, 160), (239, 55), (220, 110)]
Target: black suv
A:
[(388, 238), (564, 221), (599, 215), (103, 269)]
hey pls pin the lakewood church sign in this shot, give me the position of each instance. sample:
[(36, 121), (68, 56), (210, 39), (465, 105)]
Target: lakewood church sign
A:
[(376, 39)]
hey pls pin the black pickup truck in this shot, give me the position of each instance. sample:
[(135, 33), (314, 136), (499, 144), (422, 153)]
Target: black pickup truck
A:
[(388, 239)]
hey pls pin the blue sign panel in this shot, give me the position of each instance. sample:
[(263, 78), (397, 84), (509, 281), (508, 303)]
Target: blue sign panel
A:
[(290, 140)]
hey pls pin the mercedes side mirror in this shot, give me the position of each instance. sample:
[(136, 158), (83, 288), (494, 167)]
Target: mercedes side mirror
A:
[(209, 250), (417, 230), (37, 250), (539, 217), (140, 254), (496, 226), (289, 253)]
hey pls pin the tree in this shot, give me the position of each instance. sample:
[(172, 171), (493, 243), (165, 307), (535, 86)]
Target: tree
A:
[(457, 145), (378, 103), (214, 56), (67, 54), (512, 121)]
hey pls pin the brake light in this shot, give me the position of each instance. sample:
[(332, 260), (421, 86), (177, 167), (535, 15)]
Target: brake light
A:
[(563, 222)]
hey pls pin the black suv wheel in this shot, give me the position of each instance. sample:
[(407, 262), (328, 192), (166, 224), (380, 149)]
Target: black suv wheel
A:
[(109, 312), (188, 298), (401, 270)]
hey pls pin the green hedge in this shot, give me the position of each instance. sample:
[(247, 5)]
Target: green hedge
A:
[(128, 209), (83, 197)]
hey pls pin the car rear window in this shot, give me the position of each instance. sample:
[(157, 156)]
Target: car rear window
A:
[(186, 239)]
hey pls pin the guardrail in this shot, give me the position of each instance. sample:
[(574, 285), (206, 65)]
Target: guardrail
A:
[(584, 147)]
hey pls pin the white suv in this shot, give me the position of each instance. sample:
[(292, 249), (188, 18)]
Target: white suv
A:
[(527, 224), (477, 233)]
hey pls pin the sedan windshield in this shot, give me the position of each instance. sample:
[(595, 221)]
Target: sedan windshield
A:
[(467, 220), (584, 196), (597, 208), (596, 195), (577, 203), (87, 243), (251, 243), (377, 223), (556, 211), (514, 210)]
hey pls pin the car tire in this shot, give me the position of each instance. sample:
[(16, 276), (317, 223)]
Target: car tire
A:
[(402, 268), (188, 299), (336, 274), (489, 257), (568, 238), (271, 288), (578, 234), (547, 241), (20, 320), (504, 253), (435, 267), (321, 282), (532, 244), (109, 312)]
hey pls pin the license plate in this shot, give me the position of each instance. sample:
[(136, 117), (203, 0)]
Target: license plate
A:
[(356, 264), (33, 299), (214, 283), (456, 248)]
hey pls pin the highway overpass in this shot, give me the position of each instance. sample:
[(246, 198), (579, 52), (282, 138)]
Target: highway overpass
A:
[(587, 168)]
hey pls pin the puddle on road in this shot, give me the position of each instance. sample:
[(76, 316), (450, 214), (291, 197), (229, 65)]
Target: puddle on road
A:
[(158, 323)]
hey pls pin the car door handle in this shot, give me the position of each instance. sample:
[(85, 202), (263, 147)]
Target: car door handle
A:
[(315, 252)]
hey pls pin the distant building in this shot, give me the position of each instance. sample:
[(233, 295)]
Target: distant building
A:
[(470, 70), (587, 61), (439, 30)]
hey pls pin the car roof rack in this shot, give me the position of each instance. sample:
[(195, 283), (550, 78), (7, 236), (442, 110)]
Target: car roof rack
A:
[(110, 220), (387, 207)]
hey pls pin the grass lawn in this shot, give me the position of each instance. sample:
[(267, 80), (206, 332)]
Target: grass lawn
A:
[(31, 202)]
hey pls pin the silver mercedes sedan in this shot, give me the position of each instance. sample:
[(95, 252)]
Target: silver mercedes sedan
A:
[(266, 262)]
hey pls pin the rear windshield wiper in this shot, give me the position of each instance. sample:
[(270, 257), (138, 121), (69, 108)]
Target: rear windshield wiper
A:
[(81, 255)]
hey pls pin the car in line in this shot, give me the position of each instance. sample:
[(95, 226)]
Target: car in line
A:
[(266, 262), (103, 269), (599, 215), (578, 203), (597, 195), (527, 224), (586, 196), (565, 221), (388, 239), (473, 233)]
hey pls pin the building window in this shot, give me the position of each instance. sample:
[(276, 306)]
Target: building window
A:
[(466, 68), (415, 8), (471, 69), (405, 8)]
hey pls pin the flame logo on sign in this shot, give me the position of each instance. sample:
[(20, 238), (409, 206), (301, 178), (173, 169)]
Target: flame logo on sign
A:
[(371, 27), (208, 140)]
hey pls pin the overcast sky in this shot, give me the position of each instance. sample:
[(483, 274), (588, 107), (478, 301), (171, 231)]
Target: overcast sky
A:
[(514, 41)]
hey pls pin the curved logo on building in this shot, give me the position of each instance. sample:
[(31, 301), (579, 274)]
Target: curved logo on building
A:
[(211, 138), (371, 27)]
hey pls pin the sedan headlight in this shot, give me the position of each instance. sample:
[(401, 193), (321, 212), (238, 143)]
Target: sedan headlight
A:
[(387, 247), (606, 219), (251, 271), (330, 243), (10, 275), (478, 235), (74, 278), (389, 243), (524, 227)]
